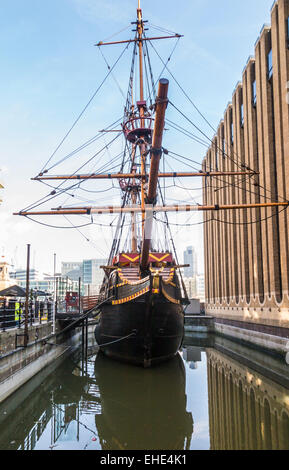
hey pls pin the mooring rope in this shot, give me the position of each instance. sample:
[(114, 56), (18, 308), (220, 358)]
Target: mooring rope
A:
[(117, 340)]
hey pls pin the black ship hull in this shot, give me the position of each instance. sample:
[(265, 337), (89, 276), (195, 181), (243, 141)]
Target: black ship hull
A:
[(142, 332)]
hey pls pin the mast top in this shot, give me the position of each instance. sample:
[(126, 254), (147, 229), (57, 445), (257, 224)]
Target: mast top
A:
[(139, 13)]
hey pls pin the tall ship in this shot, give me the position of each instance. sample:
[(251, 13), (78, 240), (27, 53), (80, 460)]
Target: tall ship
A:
[(143, 294)]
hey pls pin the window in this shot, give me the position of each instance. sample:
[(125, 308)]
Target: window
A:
[(232, 127), (254, 93), (223, 143), (217, 155), (288, 32), (242, 115), (269, 65)]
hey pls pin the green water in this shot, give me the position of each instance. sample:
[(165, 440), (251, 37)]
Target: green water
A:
[(213, 395)]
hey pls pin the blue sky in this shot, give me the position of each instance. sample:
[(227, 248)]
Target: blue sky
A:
[(50, 68)]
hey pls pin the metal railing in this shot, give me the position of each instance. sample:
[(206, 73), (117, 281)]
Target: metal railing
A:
[(13, 314)]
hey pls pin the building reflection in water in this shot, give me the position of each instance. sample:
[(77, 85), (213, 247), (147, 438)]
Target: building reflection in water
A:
[(246, 409), (192, 355)]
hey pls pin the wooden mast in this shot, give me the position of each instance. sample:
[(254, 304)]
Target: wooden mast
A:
[(133, 200), (156, 152), (142, 143)]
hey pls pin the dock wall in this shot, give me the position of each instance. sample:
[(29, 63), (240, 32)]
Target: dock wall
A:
[(19, 365), (274, 341)]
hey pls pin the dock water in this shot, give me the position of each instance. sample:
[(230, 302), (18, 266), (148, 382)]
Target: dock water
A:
[(216, 394)]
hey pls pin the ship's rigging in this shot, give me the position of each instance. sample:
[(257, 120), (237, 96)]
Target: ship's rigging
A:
[(137, 167)]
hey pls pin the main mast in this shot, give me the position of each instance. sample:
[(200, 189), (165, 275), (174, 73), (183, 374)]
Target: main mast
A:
[(148, 196), (141, 106), (156, 152)]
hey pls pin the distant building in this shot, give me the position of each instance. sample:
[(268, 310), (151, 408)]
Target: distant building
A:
[(190, 257), (191, 287), (49, 283), (200, 287), (5, 280), (38, 284), (20, 274), (72, 270), (93, 275), (195, 287), (88, 270)]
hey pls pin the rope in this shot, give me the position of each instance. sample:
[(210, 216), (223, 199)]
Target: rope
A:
[(113, 76), (84, 145), (172, 241), (64, 190), (85, 108), (213, 219), (82, 317), (239, 165), (118, 340), (196, 108)]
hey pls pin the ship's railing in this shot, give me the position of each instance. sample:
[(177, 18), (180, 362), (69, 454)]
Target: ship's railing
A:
[(89, 302), (138, 127)]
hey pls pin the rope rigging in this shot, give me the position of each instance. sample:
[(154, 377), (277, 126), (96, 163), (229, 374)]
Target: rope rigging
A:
[(86, 107), (84, 145), (241, 164), (214, 219), (126, 154), (54, 193)]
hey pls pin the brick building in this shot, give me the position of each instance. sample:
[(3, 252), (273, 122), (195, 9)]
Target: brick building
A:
[(247, 251)]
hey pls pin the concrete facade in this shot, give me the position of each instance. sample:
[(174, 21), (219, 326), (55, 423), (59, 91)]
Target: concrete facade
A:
[(247, 251)]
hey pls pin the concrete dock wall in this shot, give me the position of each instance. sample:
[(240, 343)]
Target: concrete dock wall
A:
[(18, 366), (274, 342)]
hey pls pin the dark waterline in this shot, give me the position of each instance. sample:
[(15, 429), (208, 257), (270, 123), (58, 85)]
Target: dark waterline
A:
[(215, 394)]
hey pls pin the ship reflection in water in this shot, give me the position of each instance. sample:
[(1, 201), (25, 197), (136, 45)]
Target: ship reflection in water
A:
[(214, 395), (143, 409)]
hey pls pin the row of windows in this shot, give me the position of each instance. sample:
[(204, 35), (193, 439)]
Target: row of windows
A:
[(254, 93), (254, 96)]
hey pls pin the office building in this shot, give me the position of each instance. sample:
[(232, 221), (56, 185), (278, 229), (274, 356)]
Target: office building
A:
[(88, 270), (247, 251), (72, 270)]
